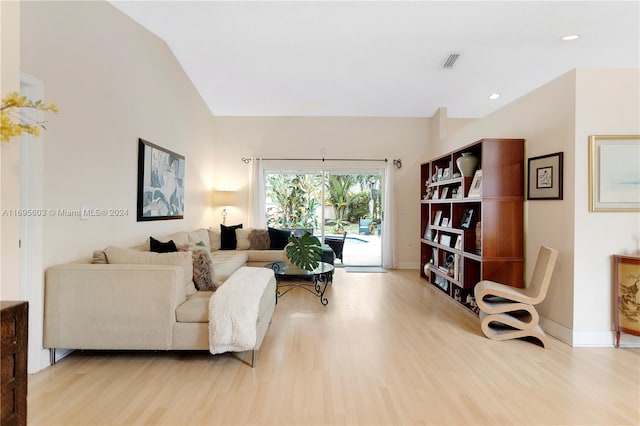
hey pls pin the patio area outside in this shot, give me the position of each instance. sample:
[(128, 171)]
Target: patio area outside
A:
[(359, 249)]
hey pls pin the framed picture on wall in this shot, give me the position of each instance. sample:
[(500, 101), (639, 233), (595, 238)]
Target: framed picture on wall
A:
[(545, 177), (160, 183), (614, 173)]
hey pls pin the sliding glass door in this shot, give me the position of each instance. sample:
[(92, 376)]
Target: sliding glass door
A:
[(331, 202)]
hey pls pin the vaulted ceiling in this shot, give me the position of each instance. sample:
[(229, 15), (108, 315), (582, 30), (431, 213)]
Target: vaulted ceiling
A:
[(385, 59)]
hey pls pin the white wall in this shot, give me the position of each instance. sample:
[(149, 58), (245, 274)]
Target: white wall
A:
[(329, 137), (559, 116), (9, 154), (113, 82), (608, 103)]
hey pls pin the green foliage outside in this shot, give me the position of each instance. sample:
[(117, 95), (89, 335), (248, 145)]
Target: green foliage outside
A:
[(297, 197)]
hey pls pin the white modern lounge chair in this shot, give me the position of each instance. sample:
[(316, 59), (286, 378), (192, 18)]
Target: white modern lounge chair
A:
[(508, 312)]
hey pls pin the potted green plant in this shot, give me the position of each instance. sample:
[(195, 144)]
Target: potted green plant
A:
[(304, 252)]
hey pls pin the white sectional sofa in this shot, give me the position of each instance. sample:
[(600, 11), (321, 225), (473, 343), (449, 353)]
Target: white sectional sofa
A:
[(135, 299)]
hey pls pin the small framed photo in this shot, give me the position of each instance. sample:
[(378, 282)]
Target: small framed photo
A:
[(476, 185), (445, 221), (545, 177), (614, 173), (440, 173), (446, 174), (445, 240), (465, 222), (437, 218), (445, 192), (458, 243)]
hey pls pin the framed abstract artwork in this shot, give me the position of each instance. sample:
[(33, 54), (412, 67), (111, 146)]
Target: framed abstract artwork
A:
[(160, 183), (614, 173), (545, 177)]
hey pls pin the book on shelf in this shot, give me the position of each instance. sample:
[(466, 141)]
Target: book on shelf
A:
[(456, 267), (427, 233), (455, 241), (445, 192), (438, 217)]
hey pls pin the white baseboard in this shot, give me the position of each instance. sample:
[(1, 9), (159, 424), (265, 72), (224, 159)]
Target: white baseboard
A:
[(556, 330), (409, 265), (598, 339)]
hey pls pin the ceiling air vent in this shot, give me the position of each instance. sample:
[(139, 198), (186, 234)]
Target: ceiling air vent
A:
[(451, 60)]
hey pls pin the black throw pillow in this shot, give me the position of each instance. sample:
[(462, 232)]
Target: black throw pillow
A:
[(160, 247), (279, 238), (228, 240)]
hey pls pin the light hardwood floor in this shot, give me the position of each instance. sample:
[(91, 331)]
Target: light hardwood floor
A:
[(388, 349)]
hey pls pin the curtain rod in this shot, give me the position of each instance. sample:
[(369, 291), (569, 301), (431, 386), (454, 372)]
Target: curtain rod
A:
[(397, 162)]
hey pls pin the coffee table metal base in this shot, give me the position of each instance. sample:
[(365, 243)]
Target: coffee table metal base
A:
[(319, 279)]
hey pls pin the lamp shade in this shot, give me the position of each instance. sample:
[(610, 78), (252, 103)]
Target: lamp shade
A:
[(224, 198)]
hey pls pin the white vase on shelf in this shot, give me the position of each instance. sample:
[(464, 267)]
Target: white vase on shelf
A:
[(467, 164)]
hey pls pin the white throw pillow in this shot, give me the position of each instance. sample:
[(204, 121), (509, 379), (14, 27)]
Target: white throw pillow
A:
[(215, 239), (242, 237), (200, 237)]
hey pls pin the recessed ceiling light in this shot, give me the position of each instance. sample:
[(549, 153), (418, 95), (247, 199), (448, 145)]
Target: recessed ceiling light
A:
[(571, 37), (494, 96)]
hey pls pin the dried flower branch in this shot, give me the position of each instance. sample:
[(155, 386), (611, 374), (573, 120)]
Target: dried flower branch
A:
[(12, 123)]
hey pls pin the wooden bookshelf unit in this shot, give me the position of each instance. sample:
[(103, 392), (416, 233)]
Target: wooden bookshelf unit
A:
[(479, 233)]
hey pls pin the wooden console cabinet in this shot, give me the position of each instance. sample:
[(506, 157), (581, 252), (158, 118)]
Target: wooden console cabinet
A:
[(473, 229), (13, 354), (626, 286)]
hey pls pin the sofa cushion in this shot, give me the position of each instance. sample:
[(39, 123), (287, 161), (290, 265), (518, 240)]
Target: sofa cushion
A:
[(200, 237), (228, 239), (225, 263), (202, 270), (157, 246), (180, 237), (242, 238), (195, 308), (265, 256), (214, 239), (128, 256), (259, 239), (99, 257), (279, 238)]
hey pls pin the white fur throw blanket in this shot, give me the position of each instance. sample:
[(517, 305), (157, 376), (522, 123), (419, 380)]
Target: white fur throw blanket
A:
[(234, 308)]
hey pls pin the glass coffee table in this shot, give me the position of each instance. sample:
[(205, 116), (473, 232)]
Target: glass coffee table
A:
[(315, 282)]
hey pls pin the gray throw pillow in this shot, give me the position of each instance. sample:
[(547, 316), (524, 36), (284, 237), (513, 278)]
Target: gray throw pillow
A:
[(202, 270), (259, 239)]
